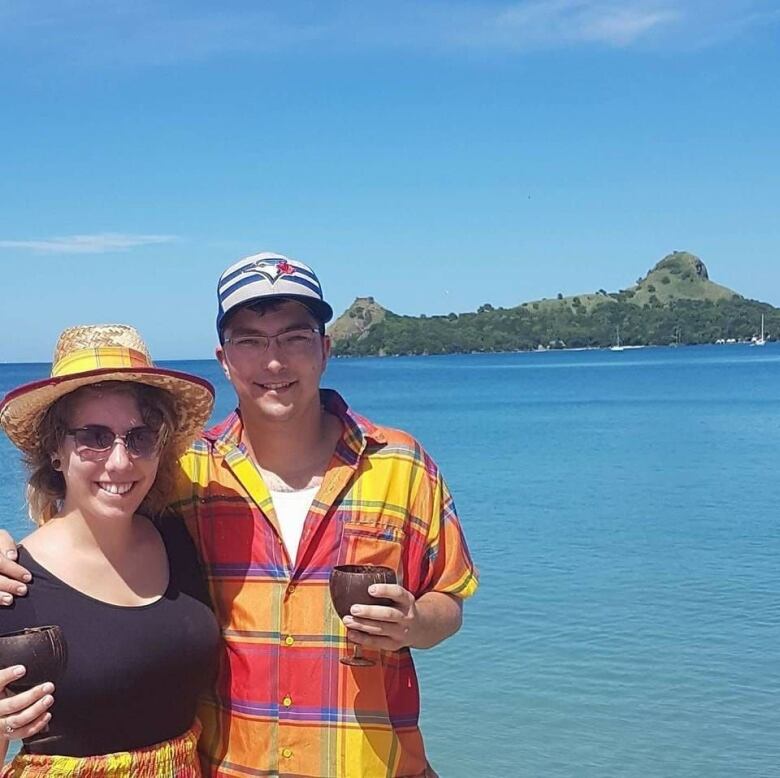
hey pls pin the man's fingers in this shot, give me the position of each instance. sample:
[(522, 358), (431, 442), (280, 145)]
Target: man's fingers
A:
[(379, 642), (7, 545), (391, 591), (13, 578), (368, 626), (376, 612), (361, 638)]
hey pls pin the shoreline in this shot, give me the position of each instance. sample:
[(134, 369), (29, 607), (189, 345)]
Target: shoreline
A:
[(547, 350)]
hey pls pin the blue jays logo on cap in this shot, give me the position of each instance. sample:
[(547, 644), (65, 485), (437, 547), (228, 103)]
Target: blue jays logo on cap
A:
[(270, 269), (266, 276)]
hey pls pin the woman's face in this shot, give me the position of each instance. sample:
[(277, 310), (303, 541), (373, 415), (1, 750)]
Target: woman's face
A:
[(111, 484)]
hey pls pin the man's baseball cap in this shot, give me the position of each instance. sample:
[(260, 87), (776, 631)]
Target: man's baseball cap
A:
[(268, 276)]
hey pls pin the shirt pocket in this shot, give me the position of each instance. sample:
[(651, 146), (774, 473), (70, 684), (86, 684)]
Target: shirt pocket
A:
[(375, 540)]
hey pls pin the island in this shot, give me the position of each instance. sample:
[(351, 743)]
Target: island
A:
[(675, 303)]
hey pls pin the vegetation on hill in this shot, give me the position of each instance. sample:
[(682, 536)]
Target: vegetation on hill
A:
[(363, 314), (674, 303)]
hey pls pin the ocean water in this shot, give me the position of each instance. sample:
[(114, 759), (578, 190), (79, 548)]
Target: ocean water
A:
[(622, 508)]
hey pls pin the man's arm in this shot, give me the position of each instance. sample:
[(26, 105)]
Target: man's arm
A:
[(438, 565), (421, 623), (12, 575)]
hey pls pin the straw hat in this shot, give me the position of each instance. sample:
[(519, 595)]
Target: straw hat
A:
[(104, 352)]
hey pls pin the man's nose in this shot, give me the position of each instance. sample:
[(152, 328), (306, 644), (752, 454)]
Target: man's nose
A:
[(274, 356)]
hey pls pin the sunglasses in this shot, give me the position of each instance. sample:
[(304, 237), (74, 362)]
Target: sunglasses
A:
[(95, 441)]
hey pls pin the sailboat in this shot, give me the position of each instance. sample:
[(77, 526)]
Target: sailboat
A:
[(759, 341), (617, 346), (676, 340)]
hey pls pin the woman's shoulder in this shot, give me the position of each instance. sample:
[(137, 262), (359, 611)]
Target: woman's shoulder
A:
[(173, 531), (185, 562), (41, 542)]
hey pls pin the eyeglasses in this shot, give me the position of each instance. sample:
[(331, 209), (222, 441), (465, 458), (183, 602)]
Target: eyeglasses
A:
[(290, 342), (95, 441)]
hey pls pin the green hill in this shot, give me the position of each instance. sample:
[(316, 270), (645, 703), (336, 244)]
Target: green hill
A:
[(678, 276), (363, 314), (675, 302)]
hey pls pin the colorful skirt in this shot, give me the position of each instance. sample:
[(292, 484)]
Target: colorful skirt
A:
[(177, 758)]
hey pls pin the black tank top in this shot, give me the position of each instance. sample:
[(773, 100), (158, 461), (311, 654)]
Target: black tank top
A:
[(134, 674)]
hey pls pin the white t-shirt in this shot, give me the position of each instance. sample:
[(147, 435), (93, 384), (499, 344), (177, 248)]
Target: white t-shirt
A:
[(291, 510)]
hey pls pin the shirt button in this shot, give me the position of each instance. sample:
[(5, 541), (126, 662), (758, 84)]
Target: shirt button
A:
[(286, 753), (290, 588), (289, 640), (287, 701)]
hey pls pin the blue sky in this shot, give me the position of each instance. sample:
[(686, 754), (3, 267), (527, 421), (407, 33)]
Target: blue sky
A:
[(437, 155)]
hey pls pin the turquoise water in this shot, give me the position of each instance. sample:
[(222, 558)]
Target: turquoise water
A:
[(622, 510)]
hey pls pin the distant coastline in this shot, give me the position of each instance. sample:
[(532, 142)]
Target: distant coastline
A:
[(675, 304), (564, 350)]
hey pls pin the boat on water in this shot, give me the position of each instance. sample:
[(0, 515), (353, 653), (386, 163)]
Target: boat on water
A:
[(760, 340), (617, 346)]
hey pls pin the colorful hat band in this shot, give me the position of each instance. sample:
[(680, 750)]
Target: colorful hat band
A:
[(101, 357)]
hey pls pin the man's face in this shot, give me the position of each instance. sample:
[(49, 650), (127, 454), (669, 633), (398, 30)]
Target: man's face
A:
[(279, 382)]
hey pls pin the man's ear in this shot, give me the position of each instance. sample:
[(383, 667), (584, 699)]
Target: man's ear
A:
[(222, 359)]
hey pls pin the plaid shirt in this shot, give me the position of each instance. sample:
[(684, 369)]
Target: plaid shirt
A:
[(284, 704)]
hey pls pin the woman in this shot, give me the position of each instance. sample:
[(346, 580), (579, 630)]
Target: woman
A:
[(101, 438)]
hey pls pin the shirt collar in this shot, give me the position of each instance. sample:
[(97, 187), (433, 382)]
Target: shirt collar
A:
[(358, 430)]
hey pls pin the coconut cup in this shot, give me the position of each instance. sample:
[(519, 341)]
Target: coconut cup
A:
[(41, 650)]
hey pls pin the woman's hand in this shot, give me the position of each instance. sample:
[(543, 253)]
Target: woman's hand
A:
[(26, 713)]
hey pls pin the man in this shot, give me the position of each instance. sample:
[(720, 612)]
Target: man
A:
[(288, 486)]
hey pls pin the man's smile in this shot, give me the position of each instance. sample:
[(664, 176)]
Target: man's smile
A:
[(276, 385)]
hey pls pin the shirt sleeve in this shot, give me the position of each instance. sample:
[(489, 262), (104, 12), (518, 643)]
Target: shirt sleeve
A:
[(438, 556), (185, 493)]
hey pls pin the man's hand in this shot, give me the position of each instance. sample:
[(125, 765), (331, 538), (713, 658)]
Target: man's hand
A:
[(418, 623), (26, 713), (12, 576), (382, 626)]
